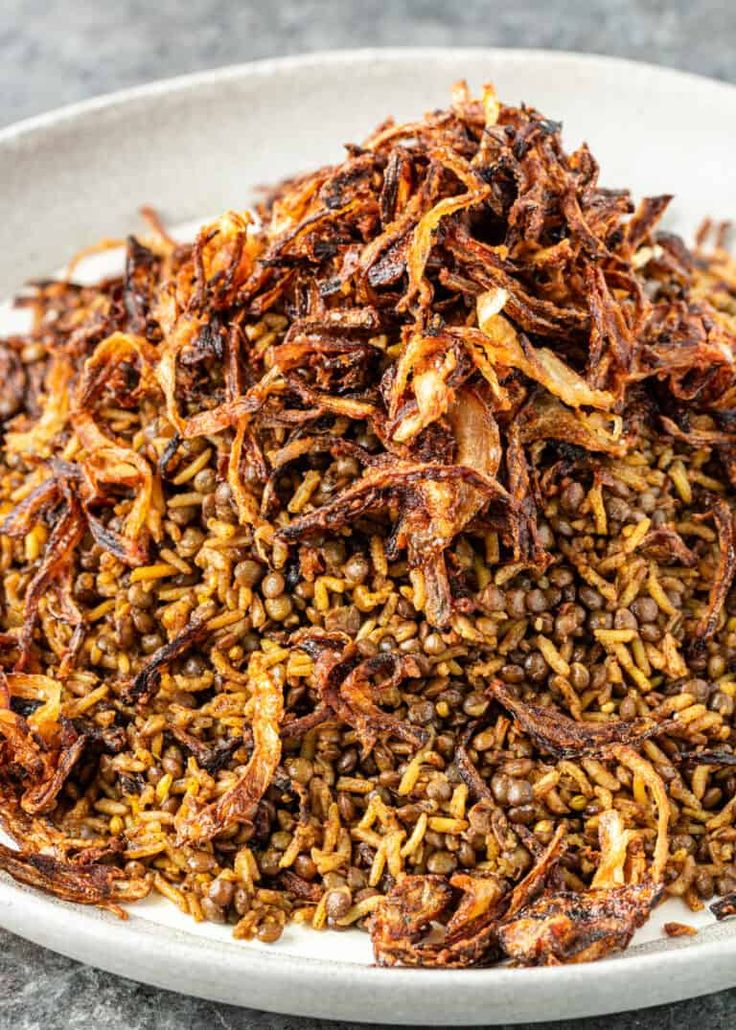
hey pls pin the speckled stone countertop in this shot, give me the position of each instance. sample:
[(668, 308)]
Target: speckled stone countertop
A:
[(53, 52)]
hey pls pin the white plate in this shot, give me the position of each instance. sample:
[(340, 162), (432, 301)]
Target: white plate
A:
[(196, 145)]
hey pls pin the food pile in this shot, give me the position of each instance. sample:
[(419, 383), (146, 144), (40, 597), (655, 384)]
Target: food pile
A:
[(372, 563)]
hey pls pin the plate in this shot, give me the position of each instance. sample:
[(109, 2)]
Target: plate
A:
[(199, 144)]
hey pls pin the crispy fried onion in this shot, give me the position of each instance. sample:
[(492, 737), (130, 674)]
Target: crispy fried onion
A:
[(725, 571), (197, 822), (68, 479), (508, 348), (44, 720), (66, 498), (524, 529), (244, 497), (401, 926), (86, 884), (429, 511), (112, 358), (571, 926), (563, 737), (42, 748), (37, 439), (21, 748), (614, 844), (53, 576), (430, 364), (222, 262), (107, 462), (349, 685), (545, 418), (567, 927), (423, 236), (146, 681), (724, 907), (42, 797)]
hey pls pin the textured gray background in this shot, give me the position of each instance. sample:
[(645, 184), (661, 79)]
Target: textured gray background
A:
[(53, 52)]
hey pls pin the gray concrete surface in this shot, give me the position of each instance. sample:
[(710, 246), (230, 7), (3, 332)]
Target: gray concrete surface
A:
[(53, 52)]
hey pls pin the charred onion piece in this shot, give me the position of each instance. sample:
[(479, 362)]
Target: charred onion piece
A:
[(560, 735), (89, 884), (724, 520), (568, 927), (471, 936), (197, 823), (724, 907), (146, 680)]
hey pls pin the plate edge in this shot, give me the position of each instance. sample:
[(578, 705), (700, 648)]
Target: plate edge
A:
[(293, 62)]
